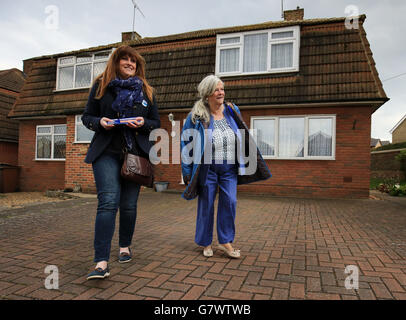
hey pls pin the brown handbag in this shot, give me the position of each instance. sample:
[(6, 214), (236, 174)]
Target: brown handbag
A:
[(137, 169)]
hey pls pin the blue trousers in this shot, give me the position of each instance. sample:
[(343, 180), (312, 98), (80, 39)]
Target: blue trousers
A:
[(113, 193), (224, 177)]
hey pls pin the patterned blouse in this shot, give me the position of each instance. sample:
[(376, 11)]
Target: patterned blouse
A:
[(224, 141)]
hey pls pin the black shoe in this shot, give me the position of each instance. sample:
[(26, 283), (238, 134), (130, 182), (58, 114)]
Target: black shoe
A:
[(98, 273), (124, 257)]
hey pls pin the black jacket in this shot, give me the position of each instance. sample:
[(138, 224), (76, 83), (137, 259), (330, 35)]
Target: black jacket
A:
[(97, 109)]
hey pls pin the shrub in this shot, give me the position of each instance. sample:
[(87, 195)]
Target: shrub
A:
[(391, 146)]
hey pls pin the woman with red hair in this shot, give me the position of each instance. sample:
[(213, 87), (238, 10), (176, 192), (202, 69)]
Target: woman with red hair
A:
[(121, 91)]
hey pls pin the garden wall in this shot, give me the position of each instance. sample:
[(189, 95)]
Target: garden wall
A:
[(385, 166)]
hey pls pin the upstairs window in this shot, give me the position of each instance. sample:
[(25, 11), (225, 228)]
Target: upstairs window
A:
[(254, 52), (79, 71)]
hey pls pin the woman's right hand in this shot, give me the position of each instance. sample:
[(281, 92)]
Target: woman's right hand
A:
[(104, 123)]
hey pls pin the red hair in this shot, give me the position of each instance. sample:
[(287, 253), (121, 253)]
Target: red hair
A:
[(113, 67)]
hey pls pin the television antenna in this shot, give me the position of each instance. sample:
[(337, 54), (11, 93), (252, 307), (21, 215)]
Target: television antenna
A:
[(139, 9), (282, 8)]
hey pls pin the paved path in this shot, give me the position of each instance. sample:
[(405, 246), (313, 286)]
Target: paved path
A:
[(291, 249)]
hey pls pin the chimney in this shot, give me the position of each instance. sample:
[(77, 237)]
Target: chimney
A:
[(292, 15), (126, 36)]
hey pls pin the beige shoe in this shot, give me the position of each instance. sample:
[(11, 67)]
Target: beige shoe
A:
[(208, 252), (231, 253)]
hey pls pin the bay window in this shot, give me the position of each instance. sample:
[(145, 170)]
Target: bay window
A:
[(295, 137)]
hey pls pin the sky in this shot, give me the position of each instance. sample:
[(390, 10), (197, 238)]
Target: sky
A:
[(41, 27)]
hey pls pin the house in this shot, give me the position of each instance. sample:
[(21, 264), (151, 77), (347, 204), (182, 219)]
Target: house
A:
[(375, 143), (398, 132), (11, 82), (307, 86)]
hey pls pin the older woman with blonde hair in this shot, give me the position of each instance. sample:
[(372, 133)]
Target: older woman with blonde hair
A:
[(212, 159)]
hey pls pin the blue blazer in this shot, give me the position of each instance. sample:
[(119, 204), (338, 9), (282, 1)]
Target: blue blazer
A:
[(196, 169), (96, 109)]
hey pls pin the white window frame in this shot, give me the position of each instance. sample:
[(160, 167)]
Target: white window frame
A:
[(240, 45), (74, 64), (306, 135), (78, 121), (52, 134)]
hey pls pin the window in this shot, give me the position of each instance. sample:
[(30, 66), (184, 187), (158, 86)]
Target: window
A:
[(79, 71), (265, 51), (295, 137), (51, 142), (82, 134)]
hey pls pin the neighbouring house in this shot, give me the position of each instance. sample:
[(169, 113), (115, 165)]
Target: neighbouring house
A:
[(398, 132), (11, 82), (308, 87), (375, 143), (385, 142)]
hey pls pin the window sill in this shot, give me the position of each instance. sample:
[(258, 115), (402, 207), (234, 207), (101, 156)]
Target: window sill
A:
[(71, 89), (242, 74), (57, 160), (301, 158)]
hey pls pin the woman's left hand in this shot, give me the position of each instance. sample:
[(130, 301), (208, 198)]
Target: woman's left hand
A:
[(137, 123)]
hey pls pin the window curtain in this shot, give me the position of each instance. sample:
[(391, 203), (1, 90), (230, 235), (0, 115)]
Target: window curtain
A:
[(320, 137), (291, 137), (229, 60), (255, 52), (264, 133), (282, 55)]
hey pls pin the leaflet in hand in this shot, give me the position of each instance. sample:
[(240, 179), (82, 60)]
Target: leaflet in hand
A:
[(124, 121)]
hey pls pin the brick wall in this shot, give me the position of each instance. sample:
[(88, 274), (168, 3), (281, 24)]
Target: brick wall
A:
[(37, 175), (9, 153), (384, 165), (77, 172), (345, 177)]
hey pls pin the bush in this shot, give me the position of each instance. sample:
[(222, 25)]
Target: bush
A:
[(392, 187), (391, 146)]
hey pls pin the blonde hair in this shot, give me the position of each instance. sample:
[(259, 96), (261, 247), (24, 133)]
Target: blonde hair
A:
[(205, 89)]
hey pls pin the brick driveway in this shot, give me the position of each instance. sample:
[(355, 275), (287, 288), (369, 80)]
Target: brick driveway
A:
[(291, 249)]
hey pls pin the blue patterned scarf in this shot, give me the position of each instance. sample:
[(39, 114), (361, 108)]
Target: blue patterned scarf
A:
[(128, 93)]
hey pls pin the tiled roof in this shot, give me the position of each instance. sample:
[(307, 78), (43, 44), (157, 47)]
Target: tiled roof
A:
[(11, 82), (11, 79), (8, 127), (336, 65), (374, 142)]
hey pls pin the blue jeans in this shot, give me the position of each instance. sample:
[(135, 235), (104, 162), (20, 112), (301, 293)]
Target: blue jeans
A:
[(113, 193), (224, 177)]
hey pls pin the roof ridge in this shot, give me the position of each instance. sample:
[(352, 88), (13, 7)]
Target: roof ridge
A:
[(202, 33), (398, 124)]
